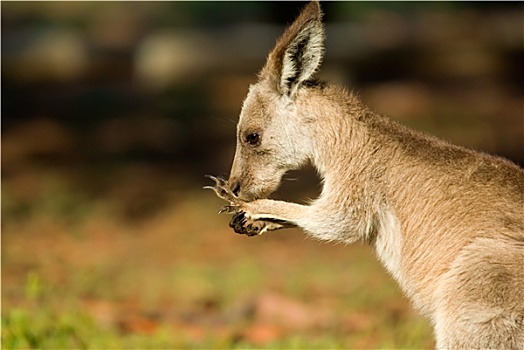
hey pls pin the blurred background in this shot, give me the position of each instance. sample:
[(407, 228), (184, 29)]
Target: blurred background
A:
[(113, 112)]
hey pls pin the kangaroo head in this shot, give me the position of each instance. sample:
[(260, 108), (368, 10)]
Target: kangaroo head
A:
[(272, 129)]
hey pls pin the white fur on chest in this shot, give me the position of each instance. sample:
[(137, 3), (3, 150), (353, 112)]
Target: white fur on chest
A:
[(388, 245)]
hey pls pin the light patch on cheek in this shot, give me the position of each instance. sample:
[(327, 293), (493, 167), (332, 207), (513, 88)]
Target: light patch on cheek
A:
[(285, 126), (262, 184)]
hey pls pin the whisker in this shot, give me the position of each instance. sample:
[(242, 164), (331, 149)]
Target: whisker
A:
[(291, 179)]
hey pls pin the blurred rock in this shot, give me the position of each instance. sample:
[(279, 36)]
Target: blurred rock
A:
[(56, 55), (171, 56)]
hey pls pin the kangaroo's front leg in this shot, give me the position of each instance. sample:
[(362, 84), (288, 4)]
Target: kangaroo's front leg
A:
[(257, 217)]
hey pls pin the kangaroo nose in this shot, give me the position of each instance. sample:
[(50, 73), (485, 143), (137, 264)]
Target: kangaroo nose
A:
[(235, 187)]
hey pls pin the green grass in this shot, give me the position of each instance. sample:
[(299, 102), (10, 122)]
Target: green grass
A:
[(50, 321), (181, 279)]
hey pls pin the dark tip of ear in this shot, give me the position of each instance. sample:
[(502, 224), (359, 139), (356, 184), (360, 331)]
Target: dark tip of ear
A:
[(308, 22), (312, 10)]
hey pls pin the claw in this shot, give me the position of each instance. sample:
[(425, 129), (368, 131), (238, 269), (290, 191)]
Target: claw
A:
[(228, 209), (223, 191), (218, 180)]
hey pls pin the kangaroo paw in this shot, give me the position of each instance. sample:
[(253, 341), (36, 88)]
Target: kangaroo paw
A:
[(223, 191), (244, 225)]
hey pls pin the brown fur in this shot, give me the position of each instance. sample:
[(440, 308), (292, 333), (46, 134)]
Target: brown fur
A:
[(447, 222)]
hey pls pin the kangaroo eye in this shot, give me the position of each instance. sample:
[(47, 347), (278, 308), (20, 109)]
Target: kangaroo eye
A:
[(253, 139)]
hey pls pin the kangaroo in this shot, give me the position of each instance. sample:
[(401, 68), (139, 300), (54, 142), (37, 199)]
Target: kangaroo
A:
[(447, 222)]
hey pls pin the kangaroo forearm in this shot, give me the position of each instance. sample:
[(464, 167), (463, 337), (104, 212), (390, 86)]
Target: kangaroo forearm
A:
[(274, 210), (315, 219)]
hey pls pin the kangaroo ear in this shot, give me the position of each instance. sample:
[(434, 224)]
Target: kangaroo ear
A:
[(298, 52)]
